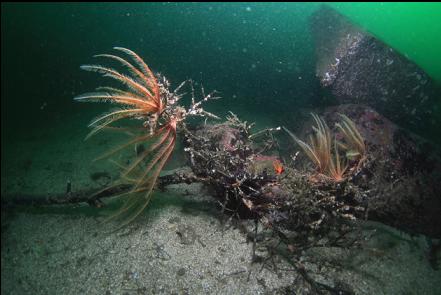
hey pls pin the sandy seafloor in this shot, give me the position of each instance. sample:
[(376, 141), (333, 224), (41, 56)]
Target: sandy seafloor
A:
[(179, 246)]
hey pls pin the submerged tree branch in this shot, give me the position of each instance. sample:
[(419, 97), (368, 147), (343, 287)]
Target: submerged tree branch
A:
[(91, 196)]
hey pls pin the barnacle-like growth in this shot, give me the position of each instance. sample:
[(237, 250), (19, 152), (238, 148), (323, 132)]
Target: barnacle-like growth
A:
[(147, 98), (319, 150)]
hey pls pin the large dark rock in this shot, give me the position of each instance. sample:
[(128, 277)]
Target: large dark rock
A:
[(358, 68), (397, 183), (405, 174), (402, 179)]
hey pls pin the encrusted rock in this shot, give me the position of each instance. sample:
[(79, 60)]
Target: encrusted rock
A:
[(356, 67), (401, 184)]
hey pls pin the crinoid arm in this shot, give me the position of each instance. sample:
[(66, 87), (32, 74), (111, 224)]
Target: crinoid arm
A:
[(354, 140), (309, 151), (143, 173), (119, 97), (142, 91), (319, 147), (337, 165)]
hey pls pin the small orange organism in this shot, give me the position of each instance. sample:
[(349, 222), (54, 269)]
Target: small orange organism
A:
[(278, 167)]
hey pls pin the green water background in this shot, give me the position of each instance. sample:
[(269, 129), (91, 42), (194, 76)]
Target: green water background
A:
[(259, 55)]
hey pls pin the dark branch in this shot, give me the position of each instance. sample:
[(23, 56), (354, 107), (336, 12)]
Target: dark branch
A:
[(90, 196)]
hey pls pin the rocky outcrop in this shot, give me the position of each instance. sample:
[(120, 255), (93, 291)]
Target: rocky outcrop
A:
[(356, 67), (401, 181)]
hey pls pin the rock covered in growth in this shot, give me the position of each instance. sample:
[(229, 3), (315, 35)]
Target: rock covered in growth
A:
[(243, 172), (401, 180), (358, 68), (397, 184)]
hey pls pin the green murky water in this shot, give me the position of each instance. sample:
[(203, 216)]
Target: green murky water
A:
[(260, 56)]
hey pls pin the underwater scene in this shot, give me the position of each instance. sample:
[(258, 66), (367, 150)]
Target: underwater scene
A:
[(220, 148)]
